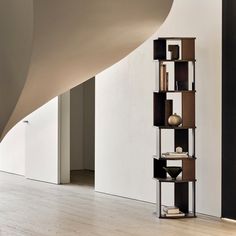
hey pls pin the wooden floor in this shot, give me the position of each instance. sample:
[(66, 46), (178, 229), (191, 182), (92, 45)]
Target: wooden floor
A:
[(33, 208)]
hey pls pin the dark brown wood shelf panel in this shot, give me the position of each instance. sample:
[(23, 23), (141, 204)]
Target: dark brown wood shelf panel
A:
[(188, 172), (188, 109), (181, 139), (188, 215), (176, 38), (169, 60), (182, 196), (168, 110), (181, 75), (177, 158), (173, 158), (158, 171), (173, 127), (177, 180), (159, 49), (188, 48), (176, 91), (159, 108)]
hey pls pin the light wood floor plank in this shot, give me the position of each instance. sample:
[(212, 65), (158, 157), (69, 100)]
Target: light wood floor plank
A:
[(32, 208)]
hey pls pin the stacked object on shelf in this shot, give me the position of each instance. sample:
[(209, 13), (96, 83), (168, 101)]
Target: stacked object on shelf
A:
[(164, 76), (174, 154), (172, 211)]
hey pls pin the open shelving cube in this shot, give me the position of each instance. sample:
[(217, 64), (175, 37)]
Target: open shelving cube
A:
[(187, 48), (188, 108), (187, 164), (181, 199)]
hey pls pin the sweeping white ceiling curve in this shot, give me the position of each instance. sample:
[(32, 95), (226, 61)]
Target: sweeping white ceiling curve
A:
[(73, 40), (16, 29)]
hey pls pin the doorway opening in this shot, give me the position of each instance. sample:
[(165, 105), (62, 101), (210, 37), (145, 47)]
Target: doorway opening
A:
[(82, 134)]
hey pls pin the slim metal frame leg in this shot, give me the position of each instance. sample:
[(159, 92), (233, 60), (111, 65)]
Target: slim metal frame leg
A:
[(194, 198), (158, 199)]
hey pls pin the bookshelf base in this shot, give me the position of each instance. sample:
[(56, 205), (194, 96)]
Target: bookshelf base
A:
[(188, 215)]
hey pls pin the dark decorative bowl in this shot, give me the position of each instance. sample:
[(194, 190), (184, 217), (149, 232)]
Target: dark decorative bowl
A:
[(173, 171)]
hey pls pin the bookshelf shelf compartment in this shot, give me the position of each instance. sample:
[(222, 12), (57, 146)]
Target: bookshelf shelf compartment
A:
[(187, 48), (180, 52), (161, 110), (188, 170)]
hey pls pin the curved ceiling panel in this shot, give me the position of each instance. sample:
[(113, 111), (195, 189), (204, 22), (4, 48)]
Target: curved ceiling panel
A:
[(76, 39), (16, 27)]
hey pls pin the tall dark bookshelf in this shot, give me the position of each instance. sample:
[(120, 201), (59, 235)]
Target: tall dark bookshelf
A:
[(182, 58)]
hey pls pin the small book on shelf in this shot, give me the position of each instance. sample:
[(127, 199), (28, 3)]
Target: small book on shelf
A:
[(171, 210), (163, 78), (175, 154), (175, 215)]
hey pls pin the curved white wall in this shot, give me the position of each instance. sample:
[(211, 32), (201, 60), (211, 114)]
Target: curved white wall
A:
[(125, 138)]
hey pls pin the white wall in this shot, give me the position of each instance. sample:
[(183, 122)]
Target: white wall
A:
[(59, 137), (12, 150), (42, 139), (125, 138)]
